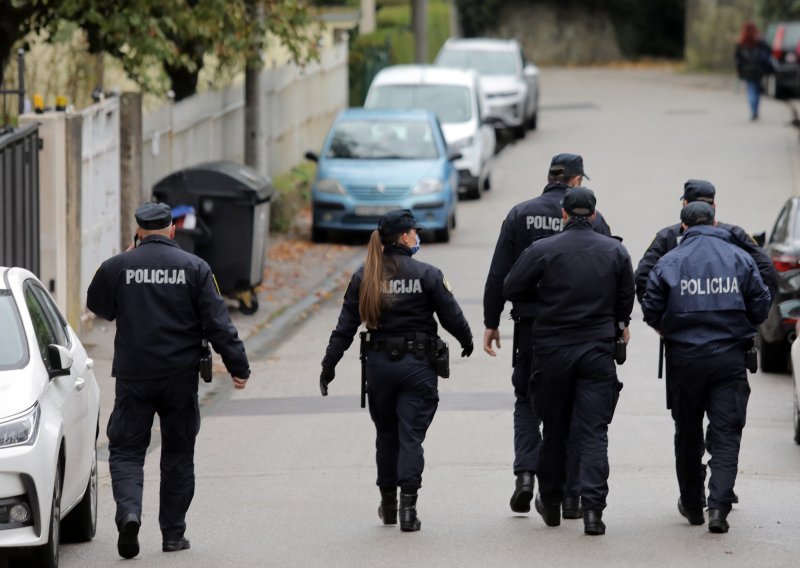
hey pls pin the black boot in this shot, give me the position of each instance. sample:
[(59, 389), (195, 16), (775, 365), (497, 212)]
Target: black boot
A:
[(408, 513), (571, 508), (717, 521), (387, 510), (521, 499), (550, 513), (593, 523)]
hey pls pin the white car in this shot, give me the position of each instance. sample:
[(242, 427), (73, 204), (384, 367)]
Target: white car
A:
[(795, 355), (455, 96), (49, 411), (509, 82)]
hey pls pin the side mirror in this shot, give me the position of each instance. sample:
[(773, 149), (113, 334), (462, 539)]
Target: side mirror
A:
[(60, 360), (530, 71), (311, 156), (454, 155), (760, 238)]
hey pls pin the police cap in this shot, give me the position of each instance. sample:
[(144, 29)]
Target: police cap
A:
[(153, 216), (698, 190), (396, 222), (697, 213), (572, 164), (579, 201)]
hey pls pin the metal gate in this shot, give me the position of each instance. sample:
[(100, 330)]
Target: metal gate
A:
[(19, 198)]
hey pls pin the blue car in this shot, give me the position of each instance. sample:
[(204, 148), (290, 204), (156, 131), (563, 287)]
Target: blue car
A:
[(375, 160)]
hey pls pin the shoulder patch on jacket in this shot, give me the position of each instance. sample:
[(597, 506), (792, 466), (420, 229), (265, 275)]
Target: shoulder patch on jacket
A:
[(447, 285)]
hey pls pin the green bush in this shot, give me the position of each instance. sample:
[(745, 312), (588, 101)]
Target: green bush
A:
[(293, 192)]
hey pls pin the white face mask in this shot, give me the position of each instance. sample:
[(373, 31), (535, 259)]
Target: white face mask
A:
[(415, 248)]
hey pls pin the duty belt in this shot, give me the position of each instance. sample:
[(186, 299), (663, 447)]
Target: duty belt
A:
[(421, 345)]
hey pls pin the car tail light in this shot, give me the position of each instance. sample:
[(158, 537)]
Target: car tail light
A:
[(777, 43), (784, 262)]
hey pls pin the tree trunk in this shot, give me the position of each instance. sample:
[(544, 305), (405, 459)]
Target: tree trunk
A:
[(419, 20)]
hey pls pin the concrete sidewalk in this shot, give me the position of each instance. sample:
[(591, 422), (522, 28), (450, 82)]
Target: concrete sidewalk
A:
[(297, 277)]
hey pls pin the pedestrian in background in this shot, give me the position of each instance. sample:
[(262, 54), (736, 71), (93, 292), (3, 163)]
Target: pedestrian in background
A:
[(527, 222), (753, 61), (581, 286), (165, 302), (706, 298), (396, 296)]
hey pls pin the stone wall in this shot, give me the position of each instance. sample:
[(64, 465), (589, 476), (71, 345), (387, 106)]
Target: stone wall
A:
[(712, 27), (559, 35)]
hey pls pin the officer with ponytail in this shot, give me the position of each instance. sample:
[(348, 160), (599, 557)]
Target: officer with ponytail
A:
[(396, 297)]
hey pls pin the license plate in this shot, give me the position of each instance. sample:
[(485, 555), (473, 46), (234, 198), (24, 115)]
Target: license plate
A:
[(373, 210)]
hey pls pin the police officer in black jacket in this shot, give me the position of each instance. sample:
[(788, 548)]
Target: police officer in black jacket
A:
[(165, 302), (396, 296), (527, 222), (706, 298), (580, 284), (669, 237)]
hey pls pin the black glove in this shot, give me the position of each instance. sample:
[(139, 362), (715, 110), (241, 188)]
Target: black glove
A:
[(325, 377), (467, 348)]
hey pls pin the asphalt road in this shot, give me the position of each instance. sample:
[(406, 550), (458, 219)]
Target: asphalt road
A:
[(286, 478)]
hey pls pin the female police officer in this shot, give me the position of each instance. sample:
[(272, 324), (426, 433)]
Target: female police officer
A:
[(396, 297)]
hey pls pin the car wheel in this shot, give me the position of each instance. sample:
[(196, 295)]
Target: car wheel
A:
[(796, 418), (518, 132), (533, 120), (473, 191), (443, 235), (773, 356), (46, 556), (81, 523), (487, 182), (318, 235)]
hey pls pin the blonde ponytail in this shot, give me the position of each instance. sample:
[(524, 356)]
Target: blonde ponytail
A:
[(370, 297)]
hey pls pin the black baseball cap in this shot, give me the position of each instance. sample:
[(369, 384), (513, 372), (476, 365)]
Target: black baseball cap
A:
[(152, 216), (698, 190), (571, 163), (697, 213), (579, 201), (396, 221)]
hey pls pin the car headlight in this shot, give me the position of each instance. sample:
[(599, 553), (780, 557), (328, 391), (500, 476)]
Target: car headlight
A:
[(427, 186), (461, 144), (21, 430), (330, 186)]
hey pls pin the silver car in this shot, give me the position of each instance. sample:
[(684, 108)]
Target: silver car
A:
[(509, 82)]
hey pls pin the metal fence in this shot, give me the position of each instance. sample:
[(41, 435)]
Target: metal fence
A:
[(19, 198)]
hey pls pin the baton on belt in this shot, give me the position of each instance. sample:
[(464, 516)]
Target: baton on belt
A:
[(363, 356)]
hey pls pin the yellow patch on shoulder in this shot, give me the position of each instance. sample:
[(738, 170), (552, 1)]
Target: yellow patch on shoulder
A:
[(215, 284), (447, 285)]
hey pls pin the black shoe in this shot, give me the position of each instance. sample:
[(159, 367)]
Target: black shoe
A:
[(387, 510), (550, 513), (571, 508), (176, 545), (735, 498), (593, 523), (409, 522), (717, 521), (128, 541), (695, 516), (521, 499)]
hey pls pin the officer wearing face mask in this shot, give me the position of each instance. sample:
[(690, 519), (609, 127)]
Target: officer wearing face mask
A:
[(395, 297)]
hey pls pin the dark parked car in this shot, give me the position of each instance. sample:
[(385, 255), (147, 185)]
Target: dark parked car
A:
[(783, 39), (777, 333)]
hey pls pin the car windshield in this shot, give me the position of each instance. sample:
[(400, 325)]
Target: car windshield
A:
[(451, 103), (484, 62), (13, 350), (383, 139)]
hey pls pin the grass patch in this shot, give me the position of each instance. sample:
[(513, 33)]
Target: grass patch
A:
[(292, 193)]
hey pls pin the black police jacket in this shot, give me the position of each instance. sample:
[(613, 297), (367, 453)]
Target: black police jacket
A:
[(706, 296), (527, 222), (669, 237), (165, 301), (414, 292), (580, 283)]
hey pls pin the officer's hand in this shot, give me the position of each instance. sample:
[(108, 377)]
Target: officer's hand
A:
[(325, 378), (488, 336), (467, 348), (626, 335), (238, 383)]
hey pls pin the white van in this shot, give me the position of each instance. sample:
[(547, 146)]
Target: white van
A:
[(455, 97)]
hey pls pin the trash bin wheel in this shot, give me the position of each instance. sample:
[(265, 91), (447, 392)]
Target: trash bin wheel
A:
[(248, 302)]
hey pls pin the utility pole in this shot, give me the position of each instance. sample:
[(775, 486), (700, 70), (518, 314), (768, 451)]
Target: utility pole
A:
[(419, 23), (254, 147)]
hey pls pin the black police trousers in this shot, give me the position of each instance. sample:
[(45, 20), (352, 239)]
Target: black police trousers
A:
[(527, 435), (403, 397), (174, 399), (715, 385), (575, 392)]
